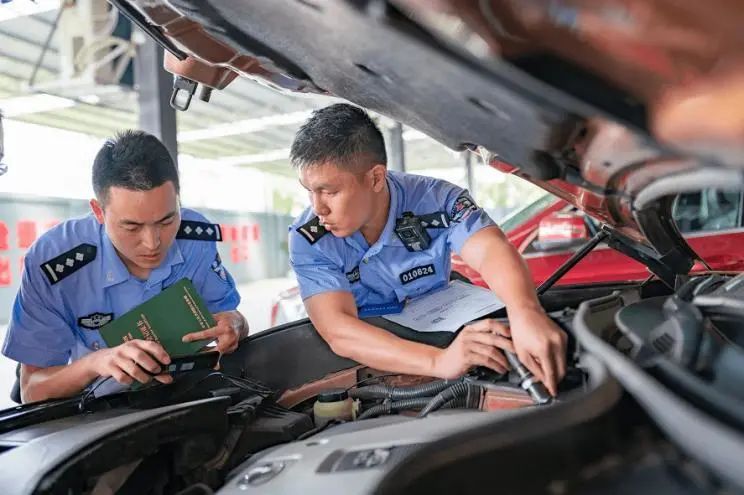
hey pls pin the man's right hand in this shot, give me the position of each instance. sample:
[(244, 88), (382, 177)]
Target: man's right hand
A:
[(127, 362), (476, 345)]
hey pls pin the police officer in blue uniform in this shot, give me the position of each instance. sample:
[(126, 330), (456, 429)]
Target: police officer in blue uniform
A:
[(374, 238), (87, 271)]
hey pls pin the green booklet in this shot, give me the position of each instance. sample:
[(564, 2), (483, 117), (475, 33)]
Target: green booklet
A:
[(165, 318)]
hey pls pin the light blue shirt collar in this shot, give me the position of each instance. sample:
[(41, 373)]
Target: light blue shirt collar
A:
[(163, 271), (387, 237), (115, 271), (388, 233)]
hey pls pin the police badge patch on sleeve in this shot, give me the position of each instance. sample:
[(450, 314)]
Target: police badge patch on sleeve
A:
[(463, 207), (218, 268), (94, 321)]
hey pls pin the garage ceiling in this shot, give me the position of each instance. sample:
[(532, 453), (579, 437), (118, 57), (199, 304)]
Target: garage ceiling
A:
[(246, 124)]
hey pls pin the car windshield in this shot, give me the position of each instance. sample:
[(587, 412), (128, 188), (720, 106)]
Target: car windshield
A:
[(518, 217), (707, 210)]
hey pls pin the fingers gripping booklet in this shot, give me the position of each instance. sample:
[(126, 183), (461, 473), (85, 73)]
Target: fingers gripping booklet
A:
[(165, 319)]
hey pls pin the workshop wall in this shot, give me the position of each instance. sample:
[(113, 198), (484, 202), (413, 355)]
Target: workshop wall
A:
[(254, 245)]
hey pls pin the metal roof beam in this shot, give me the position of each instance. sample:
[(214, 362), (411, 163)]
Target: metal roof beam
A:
[(25, 39)]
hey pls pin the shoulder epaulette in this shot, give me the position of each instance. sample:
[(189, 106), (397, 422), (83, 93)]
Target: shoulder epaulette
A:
[(312, 230), (436, 220), (64, 265), (199, 231)]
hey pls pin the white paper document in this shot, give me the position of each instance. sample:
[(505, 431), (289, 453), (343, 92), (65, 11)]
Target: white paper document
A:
[(448, 309)]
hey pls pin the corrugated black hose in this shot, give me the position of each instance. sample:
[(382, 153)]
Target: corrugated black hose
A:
[(408, 404), (388, 407), (430, 389), (468, 391)]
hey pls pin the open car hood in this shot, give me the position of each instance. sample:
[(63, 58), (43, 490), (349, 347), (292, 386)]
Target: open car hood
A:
[(613, 105)]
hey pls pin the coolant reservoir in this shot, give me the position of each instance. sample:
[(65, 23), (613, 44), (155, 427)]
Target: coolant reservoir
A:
[(333, 404)]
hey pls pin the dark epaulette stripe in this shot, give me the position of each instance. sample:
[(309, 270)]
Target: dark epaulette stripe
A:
[(311, 237), (440, 217), (199, 231), (67, 263)]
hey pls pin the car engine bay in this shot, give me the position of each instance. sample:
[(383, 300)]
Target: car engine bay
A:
[(228, 432)]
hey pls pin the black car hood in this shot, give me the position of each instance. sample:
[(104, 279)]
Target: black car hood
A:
[(533, 86)]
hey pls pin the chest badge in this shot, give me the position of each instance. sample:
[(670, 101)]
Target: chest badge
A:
[(94, 321), (354, 275), (416, 273)]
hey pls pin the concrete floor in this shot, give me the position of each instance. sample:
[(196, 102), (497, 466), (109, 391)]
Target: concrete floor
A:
[(255, 305)]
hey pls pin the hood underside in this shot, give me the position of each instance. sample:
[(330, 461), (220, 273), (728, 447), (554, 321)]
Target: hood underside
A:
[(613, 105)]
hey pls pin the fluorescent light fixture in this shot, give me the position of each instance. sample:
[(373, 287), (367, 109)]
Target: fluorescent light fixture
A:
[(91, 99), (262, 123), (244, 126), (269, 156), (24, 105), (283, 154), (23, 8)]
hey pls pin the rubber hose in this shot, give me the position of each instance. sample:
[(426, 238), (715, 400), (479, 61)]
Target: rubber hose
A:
[(390, 406), (400, 393), (370, 392), (459, 403), (415, 403), (456, 391)]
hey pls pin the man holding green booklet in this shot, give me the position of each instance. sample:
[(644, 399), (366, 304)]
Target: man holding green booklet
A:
[(89, 271)]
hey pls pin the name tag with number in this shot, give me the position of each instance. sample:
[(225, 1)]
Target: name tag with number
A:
[(416, 273)]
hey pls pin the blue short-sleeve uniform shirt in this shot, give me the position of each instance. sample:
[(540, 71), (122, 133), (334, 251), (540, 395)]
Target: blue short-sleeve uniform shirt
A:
[(387, 273), (74, 282)]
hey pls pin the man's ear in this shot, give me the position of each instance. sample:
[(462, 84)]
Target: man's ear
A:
[(378, 174), (97, 210)]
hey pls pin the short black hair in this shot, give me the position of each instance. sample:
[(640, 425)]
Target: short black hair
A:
[(134, 160), (341, 134)]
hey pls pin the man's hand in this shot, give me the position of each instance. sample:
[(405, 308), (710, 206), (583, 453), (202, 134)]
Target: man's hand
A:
[(541, 346), (476, 345), (127, 362), (230, 328)]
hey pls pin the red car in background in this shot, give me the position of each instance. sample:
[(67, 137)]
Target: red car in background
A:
[(549, 230)]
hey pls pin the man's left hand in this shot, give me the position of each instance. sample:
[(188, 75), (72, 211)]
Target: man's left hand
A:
[(540, 346), (230, 328)]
